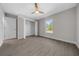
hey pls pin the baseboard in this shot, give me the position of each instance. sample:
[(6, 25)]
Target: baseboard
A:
[(20, 38), (60, 40), (30, 36), (1, 42), (77, 45)]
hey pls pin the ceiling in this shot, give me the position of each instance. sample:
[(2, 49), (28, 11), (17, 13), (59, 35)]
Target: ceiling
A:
[(26, 9)]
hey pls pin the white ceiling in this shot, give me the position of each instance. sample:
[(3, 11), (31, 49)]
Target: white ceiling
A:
[(26, 9)]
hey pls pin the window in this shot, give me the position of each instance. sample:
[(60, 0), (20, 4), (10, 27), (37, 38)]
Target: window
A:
[(49, 26)]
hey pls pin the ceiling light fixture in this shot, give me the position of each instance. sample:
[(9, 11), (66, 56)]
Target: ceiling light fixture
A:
[(37, 11)]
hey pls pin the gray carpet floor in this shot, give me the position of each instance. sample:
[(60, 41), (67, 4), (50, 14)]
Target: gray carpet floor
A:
[(37, 46)]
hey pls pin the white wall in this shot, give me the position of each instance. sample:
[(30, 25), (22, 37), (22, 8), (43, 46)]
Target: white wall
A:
[(1, 26), (64, 26), (9, 28), (20, 27), (77, 25)]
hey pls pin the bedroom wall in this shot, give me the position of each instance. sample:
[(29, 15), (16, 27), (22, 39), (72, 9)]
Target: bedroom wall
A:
[(77, 31), (1, 26), (64, 26), (20, 27), (10, 28)]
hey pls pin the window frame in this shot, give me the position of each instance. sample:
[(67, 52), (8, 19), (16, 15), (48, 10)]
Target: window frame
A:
[(50, 21)]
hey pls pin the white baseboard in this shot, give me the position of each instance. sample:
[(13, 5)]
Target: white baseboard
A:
[(60, 39), (65, 40), (77, 44), (1, 42)]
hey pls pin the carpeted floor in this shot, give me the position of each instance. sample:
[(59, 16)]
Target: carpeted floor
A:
[(37, 46)]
